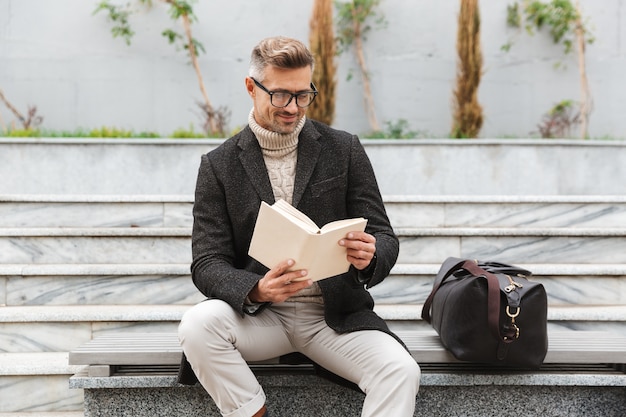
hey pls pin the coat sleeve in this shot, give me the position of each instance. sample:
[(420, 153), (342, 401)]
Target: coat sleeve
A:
[(364, 199), (214, 266)]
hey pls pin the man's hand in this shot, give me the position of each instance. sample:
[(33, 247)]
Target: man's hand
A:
[(361, 248), (277, 285)]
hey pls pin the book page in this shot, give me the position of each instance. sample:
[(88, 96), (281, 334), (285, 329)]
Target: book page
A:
[(289, 210), (345, 224)]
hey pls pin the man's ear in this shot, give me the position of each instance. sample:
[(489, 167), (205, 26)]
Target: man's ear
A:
[(250, 86)]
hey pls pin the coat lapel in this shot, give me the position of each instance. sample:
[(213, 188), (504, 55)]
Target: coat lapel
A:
[(252, 160), (308, 153)]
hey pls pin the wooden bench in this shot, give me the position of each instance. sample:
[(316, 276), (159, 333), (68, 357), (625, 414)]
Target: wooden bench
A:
[(106, 355)]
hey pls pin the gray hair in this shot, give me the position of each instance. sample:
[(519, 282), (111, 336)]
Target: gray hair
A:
[(280, 52)]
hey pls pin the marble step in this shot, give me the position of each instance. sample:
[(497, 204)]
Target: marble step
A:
[(506, 211), (35, 384), (514, 245), (95, 211), (60, 328), (418, 245), (95, 245), (80, 284), (147, 284), (404, 211), (36, 363)]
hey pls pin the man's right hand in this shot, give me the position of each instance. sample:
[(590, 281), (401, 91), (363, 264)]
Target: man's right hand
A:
[(277, 284)]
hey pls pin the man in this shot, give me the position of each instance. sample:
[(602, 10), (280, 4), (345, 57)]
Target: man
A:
[(253, 313)]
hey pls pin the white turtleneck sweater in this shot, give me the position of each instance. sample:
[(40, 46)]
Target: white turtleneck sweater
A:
[(280, 152)]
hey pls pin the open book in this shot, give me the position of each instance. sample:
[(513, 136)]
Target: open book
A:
[(284, 232)]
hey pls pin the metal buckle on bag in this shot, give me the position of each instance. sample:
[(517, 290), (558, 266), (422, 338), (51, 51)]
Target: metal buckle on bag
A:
[(512, 315), (513, 325), (514, 285)]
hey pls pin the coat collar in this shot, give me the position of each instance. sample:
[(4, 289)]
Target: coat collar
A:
[(251, 158)]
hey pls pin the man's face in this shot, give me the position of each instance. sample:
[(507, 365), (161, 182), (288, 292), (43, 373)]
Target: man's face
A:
[(281, 120)]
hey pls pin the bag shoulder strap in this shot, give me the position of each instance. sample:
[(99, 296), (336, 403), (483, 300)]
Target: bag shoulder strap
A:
[(447, 268), (493, 298)]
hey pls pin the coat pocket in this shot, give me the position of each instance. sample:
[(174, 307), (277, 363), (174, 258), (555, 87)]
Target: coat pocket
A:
[(322, 187)]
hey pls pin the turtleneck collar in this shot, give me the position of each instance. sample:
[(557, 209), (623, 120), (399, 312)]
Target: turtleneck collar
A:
[(274, 142)]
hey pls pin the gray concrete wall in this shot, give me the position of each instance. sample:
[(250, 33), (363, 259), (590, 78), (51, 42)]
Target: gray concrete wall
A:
[(57, 56), (409, 167)]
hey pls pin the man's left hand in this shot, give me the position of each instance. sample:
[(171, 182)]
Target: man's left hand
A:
[(361, 248)]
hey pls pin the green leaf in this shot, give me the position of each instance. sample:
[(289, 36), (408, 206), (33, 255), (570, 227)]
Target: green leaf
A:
[(171, 36)]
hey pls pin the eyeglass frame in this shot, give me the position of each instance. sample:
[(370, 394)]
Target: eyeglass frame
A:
[(271, 94)]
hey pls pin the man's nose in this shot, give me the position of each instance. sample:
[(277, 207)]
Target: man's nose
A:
[(292, 106)]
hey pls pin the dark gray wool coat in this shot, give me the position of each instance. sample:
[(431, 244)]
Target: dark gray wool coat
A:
[(334, 180)]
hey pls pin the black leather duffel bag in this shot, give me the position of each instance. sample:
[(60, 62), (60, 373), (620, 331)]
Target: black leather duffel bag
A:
[(489, 312)]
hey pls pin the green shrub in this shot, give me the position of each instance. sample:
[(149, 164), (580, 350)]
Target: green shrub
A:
[(399, 129)]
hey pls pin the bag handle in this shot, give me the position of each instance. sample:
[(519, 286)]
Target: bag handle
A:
[(447, 268), (451, 265)]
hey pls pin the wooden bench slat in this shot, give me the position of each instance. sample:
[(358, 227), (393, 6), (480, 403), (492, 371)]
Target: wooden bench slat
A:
[(164, 349)]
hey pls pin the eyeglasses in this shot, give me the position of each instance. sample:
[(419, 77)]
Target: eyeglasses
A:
[(282, 99)]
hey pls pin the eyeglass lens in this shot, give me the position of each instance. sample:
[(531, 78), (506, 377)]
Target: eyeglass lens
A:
[(279, 99)]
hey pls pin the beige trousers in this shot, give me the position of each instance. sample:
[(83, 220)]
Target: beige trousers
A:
[(218, 341)]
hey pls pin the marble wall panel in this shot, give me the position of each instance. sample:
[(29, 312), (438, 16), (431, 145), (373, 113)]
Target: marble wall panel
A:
[(89, 249), (402, 289), (112, 290), (595, 290), (403, 325), (417, 167), (88, 214), (103, 327), (535, 215), (514, 249), (43, 336), (177, 215), (427, 249), (41, 393), (415, 214), (3, 291), (561, 290), (616, 327), (546, 249)]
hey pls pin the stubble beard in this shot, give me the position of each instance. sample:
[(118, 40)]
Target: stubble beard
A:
[(285, 128)]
